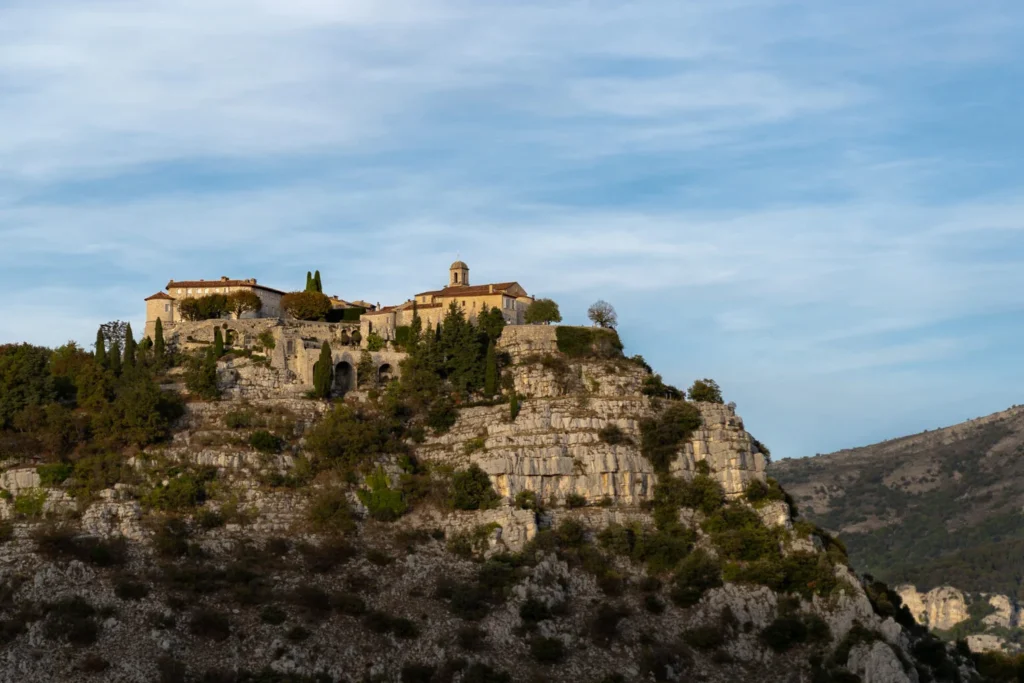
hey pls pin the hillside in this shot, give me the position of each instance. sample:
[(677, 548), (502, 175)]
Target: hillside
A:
[(938, 508), (583, 522)]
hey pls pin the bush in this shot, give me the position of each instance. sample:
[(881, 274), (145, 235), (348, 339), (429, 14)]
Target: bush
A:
[(241, 419), (655, 387), (126, 589), (441, 415), (265, 442), (759, 493), (611, 434), (706, 390), (71, 620), (739, 534), (472, 490), (170, 538), (306, 305), (575, 500), (527, 500), (63, 543), (471, 638), (273, 615), (661, 436), (54, 474), (30, 503), (543, 311), (585, 342), (348, 604), (604, 626), (709, 637), (698, 573), (329, 512), (418, 673), (348, 437), (382, 502), (182, 492)]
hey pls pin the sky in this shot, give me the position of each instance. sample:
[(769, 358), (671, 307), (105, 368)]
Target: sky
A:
[(817, 204)]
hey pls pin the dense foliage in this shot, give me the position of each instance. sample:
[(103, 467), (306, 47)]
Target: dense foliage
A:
[(204, 307), (583, 342), (308, 305), (543, 311), (68, 404), (602, 314), (706, 390)]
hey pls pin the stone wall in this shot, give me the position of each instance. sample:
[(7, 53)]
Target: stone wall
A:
[(525, 340)]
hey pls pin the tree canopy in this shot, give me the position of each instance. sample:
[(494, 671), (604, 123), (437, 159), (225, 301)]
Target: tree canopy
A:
[(306, 305), (543, 311), (602, 314)]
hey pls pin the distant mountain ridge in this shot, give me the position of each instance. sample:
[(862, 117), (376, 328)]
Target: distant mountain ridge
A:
[(942, 507)]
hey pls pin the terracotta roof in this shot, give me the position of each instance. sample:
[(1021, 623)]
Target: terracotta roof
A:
[(221, 283), (471, 290), (159, 295)]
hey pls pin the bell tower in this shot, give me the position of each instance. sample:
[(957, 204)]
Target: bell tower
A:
[(458, 274)]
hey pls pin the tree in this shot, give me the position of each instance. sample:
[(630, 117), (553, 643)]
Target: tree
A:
[(491, 322), (602, 314), (129, 347), (158, 341), (24, 379), (323, 371), (491, 371), (201, 375), (101, 349), (316, 281), (374, 342), (543, 311), (706, 390), (366, 372), (114, 331), (244, 301), (114, 358), (207, 307), (309, 282), (306, 305), (218, 343)]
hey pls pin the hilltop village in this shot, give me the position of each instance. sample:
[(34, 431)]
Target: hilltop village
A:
[(288, 330)]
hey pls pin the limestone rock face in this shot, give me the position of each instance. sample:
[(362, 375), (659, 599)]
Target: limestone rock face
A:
[(941, 608), (553, 448), (985, 642), (877, 663), (1006, 615)]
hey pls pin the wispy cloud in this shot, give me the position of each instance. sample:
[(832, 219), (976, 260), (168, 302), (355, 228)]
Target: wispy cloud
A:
[(772, 192)]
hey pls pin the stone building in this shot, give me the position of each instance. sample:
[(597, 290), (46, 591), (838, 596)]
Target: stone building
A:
[(508, 297), (164, 305)]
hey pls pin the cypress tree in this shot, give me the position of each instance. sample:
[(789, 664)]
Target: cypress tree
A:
[(491, 371), (101, 349), (129, 347), (218, 343), (322, 371), (316, 281), (366, 371), (158, 342), (114, 357)]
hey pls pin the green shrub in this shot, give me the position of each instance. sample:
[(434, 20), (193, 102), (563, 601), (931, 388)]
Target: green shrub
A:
[(265, 442), (478, 672), (206, 307), (586, 342), (759, 493), (126, 589), (604, 625), (400, 627), (63, 543), (706, 390), (739, 534), (472, 543), (54, 474), (170, 538), (697, 573), (30, 503), (611, 434), (575, 500), (329, 512), (266, 340), (418, 673), (273, 615), (472, 490), (374, 342), (471, 638), (655, 387), (240, 419), (181, 492), (661, 436), (442, 416), (527, 500), (534, 611), (709, 637), (71, 620), (788, 630), (382, 502)]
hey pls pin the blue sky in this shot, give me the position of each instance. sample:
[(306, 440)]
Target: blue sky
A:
[(817, 204)]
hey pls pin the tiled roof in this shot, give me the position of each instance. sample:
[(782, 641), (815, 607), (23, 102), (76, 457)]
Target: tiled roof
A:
[(471, 290), (159, 295), (221, 283)]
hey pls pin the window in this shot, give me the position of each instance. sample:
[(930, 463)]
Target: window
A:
[(167, 308), (181, 291), (190, 291)]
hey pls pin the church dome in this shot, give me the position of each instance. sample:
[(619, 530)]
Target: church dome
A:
[(457, 265)]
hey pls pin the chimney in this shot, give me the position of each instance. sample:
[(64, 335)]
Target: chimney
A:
[(490, 289), (224, 278)]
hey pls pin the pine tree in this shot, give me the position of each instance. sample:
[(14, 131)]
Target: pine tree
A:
[(322, 372), (114, 358), (309, 281), (101, 349), (218, 343), (316, 281), (129, 347), (491, 371), (366, 371), (158, 342)]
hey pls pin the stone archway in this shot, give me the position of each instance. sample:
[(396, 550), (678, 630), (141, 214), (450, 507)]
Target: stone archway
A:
[(344, 378), (385, 374)]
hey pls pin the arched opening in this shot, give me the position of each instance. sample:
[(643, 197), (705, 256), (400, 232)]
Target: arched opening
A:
[(384, 374), (344, 377)]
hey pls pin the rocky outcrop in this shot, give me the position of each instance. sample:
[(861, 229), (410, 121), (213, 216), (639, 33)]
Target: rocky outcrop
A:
[(877, 663), (940, 608)]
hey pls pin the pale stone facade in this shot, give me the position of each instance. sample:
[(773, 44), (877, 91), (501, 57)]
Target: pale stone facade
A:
[(508, 297), (164, 305)]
